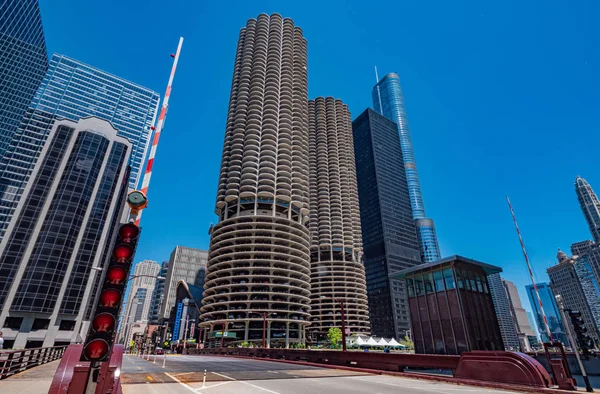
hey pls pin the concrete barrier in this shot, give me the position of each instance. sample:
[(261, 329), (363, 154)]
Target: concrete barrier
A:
[(506, 368)]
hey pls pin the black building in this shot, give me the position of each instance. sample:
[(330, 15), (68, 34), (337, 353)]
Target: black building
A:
[(388, 229)]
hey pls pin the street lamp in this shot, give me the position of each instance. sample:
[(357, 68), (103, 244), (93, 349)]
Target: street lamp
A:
[(340, 301), (264, 315)]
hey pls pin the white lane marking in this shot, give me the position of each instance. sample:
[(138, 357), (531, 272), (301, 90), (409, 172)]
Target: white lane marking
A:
[(465, 389), (258, 387), (181, 383), (224, 376), (210, 387)]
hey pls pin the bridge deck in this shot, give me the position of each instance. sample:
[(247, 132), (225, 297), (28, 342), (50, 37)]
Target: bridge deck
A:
[(32, 381), (184, 374)]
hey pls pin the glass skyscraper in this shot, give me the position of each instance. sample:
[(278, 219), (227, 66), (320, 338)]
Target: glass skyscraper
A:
[(590, 205), (389, 102), (23, 62), (388, 230), (552, 313), (74, 90)]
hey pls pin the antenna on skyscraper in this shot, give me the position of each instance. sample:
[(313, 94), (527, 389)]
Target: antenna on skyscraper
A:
[(537, 293), (159, 126), (376, 75), (378, 91)]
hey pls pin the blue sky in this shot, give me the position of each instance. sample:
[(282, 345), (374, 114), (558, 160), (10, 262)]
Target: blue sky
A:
[(501, 100)]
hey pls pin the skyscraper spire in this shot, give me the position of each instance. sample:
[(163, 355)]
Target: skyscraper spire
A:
[(590, 205)]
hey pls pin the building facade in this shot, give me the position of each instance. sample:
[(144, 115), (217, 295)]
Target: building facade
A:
[(582, 247), (60, 231), (524, 329), (158, 295), (504, 312), (388, 229), (565, 280), (263, 191), (555, 321), (23, 62), (337, 272), (388, 100), (139, 303), (451, 308), (185, 264), (73, 90), (590, 206)]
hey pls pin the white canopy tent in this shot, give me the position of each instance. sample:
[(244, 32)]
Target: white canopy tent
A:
[(382, 342), (371, 342), (394, 343)]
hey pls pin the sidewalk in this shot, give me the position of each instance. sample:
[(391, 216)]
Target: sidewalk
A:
[(33, 381)]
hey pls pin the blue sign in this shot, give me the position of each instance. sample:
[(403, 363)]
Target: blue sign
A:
[(177, 321)]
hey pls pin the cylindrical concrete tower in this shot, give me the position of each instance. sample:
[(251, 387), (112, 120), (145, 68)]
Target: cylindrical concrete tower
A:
[(259, 263), (337, 272)]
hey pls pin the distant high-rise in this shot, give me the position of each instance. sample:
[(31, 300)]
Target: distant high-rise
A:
[(73, 90), (23, 62), (337, 271), (389, 102), (582, 247), (263, 189), (565, 280), (158, 295), (524, 330), (60, 231), (188, 265), (388, 229), (504, 312), (139, 302), (552, 313), (589, 205)]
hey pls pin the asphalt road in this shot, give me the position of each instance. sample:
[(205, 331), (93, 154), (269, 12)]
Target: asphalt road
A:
[(185, 374)]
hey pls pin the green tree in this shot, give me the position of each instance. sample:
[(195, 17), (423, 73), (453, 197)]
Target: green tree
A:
[(334, 335), (408, 343)]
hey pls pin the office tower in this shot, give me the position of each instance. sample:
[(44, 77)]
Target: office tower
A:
[(589, 205), (139, 302), (263, 187), (589, 285), (552, 313), (389, 102), (593, 259), (388, 230), (23, 62), (524, 330), (451, 308), (60, 231), (185, 264), (564, 280), (582, 247), (73, 90), (504, 312), (337, 272), (533, 338), (158, 295)]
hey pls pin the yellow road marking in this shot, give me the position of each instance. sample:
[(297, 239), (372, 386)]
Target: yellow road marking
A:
[(150, 378)]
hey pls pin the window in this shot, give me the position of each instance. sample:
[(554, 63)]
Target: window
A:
[(40, 324), (14, 323), (449, 279), (67, 325), (438, 281)]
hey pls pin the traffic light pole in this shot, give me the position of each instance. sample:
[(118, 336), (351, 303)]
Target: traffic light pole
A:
[(561, 307)]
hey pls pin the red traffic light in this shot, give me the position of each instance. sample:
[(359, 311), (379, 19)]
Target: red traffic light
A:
[(104, 322), (96, 349), (116, 275), (122, 253), (129, 232), (110, 298)]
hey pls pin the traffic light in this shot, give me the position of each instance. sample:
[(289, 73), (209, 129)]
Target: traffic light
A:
[(101, 334), (585, 342)]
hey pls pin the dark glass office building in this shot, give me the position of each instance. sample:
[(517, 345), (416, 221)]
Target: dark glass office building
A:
[(62, 227), (451, 307), (388, 229), (23, 62), (74, 90), (551, 311)]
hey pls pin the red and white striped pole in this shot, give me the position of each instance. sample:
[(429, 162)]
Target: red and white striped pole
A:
[(159, 127), (537, 293)]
